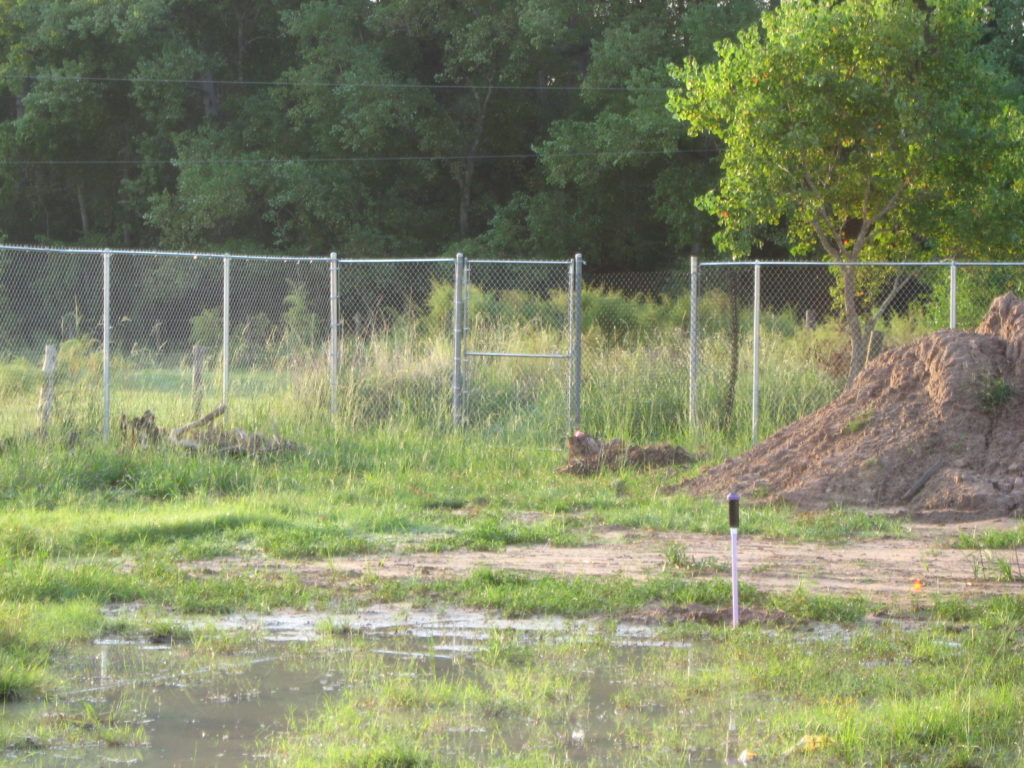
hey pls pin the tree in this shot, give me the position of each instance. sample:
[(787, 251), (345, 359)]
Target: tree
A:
[(617, 179), (869, 129)]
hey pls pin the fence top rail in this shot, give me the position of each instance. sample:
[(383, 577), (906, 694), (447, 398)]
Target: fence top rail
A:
[(437, 260), (948, 263), (138, 252), (250, 257), (530, 262)]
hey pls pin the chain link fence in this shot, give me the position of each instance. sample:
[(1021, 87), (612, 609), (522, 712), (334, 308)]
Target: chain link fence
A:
[(300, 344), (776, 340), (725, 353), (290, 344)]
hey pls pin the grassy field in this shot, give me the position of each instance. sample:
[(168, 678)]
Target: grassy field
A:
[(87, 524)]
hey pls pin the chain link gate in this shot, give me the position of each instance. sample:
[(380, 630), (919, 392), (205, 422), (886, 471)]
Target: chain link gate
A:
[(485, 286)]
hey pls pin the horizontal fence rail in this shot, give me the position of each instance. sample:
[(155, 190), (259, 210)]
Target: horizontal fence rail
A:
[(266, 336), (690, 355)]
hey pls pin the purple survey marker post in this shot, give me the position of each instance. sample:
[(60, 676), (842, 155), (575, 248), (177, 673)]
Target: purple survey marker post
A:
[(734, 536)]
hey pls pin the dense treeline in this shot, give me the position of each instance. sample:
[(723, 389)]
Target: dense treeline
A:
[(400, 127), (527, 128)]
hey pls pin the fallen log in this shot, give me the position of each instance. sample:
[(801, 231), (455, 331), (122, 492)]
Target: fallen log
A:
[(202, 435)]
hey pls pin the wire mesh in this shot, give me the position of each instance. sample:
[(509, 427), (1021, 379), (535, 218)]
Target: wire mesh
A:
[(394, 343), (394, 332), (50, 298), (517, 345), (636, 355), (808, 344)]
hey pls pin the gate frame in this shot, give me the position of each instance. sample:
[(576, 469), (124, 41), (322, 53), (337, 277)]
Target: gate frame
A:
[(573, 357)]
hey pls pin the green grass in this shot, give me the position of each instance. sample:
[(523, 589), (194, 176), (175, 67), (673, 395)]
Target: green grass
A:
[(991, 539), (87, 524), (96, 523), (886, 694), (517, 594)]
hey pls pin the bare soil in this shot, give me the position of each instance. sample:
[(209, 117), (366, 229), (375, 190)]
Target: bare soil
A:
[(932, 431), (935, 427), (882, 569)]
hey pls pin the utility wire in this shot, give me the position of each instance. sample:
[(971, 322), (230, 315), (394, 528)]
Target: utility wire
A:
[(302, 84), (316, 160)]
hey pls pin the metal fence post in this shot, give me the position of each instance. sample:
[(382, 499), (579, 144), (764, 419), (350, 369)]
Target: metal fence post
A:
[(756, 384), (952, 295), (226, 329), (106, 345), (458, 328), (575, 340), (694, 298), (332, 358)]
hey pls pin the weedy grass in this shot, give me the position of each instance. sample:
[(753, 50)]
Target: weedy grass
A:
[(991, 539), (87, 523), (882, 694), (516, 594), (95, 523)]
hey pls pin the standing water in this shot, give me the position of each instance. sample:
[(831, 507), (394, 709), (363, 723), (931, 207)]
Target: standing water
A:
[(491, 688)]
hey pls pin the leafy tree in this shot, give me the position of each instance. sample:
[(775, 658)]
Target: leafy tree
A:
[(618, 179), (868, 129), (413, 79)]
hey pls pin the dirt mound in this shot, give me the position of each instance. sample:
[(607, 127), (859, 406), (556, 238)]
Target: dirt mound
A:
[(936, 425)]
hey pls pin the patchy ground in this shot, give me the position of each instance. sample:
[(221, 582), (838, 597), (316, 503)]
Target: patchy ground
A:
[(885, 569), (932, 431)]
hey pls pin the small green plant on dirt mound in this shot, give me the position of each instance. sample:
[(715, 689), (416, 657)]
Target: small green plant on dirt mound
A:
[(859, 422), (994, 393)]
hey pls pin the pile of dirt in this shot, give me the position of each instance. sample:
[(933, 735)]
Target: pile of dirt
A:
[(934, 426), (588, 455)]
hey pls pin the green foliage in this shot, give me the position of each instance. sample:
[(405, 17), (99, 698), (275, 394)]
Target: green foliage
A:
[(815, 136), (859, 422), (299, 320), (79, 358), (619, 316), (614, 314), (977, 287), (207, 328), (995, 393), (19, 377), (854, 165)]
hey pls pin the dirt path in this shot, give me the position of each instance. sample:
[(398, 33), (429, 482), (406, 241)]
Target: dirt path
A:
[(885, 569)]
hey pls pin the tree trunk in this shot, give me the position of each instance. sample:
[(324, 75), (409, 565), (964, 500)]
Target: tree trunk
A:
[(82, 210), (466, 186), (469, 165), (211, 99), (858, 344)]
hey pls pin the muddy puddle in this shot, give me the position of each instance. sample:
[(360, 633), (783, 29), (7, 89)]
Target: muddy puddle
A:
[(150, 704)]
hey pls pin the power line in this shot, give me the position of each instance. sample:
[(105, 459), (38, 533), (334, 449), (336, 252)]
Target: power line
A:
[(370, 160), (315, 84)]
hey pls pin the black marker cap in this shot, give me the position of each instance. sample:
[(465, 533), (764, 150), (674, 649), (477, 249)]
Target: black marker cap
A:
[(734, 510)]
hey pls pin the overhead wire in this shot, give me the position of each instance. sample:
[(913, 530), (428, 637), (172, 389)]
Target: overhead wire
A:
[(366, 159), (356, 159), (331, 84)]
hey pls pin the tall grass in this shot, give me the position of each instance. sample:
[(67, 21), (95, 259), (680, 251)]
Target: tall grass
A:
[(84, 521), (398, 375)]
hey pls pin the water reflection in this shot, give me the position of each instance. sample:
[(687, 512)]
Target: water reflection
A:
[(191, 705)]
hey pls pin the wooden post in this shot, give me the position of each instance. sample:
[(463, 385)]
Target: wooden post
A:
[(46, 394), (198, 360)]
